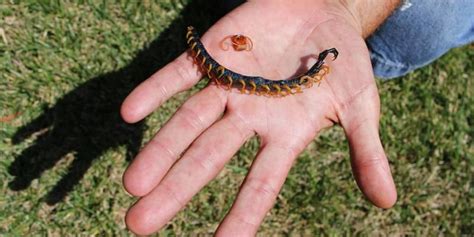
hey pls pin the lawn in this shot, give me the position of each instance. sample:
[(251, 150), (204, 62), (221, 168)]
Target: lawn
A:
[(65, 68)]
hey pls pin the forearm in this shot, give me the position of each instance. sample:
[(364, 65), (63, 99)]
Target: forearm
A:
[(369, 14)]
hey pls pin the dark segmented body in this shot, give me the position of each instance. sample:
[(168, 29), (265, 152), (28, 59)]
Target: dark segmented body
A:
[(255, 84)]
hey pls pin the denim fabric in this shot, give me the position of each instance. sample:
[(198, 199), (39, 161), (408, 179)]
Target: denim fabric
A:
[(419, 32)]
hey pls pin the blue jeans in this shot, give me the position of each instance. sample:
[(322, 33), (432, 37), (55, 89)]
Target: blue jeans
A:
[(416, 34), (419, 32)]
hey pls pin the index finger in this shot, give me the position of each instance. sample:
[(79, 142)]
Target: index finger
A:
[(177, 76)]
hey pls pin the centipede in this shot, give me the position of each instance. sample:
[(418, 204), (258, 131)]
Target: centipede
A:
[(256, 85)]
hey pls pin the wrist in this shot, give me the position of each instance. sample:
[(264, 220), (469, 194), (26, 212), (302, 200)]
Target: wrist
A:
[(367, 15), (341, 10)]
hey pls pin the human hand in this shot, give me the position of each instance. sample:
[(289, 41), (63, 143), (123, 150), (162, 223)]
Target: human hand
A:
[(287, 39)]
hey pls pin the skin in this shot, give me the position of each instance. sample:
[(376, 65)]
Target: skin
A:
[(203, 135)]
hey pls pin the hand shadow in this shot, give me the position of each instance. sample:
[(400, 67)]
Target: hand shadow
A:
[(87, 122)]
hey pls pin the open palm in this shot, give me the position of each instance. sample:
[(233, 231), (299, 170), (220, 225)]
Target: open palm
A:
[(191, 149)]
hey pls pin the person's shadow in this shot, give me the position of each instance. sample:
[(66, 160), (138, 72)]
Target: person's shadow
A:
[(87, 121)]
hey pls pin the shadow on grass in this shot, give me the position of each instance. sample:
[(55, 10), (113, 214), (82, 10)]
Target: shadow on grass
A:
[(87, 122)]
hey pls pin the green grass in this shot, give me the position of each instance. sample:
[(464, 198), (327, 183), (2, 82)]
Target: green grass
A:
[(65, 67)]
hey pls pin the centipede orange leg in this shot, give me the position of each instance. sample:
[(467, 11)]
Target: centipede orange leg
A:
[(306, 81), (229, 85), (209, 69), (297, 88), (242, 90), (254, 87), (288, 90), (203, 62), (278, 89), (221, 71), (324, 70), (267, 89)]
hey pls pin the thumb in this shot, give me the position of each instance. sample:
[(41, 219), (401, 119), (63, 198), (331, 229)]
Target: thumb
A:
[(360, 121)]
